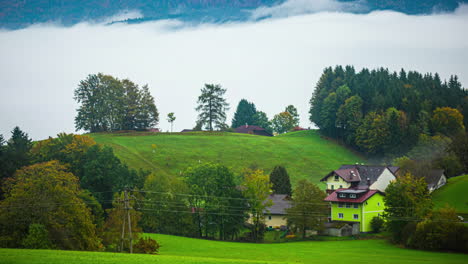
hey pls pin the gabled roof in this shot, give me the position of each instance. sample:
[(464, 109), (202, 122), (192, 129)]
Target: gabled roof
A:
[(366, 175), (281, 202), (433, 177), (333, 197), (256, 130)]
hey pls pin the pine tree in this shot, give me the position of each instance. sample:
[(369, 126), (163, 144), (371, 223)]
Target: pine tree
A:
[(280, 181), (212, 106), (245, 114)]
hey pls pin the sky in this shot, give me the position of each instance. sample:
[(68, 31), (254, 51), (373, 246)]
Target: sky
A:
[(273, 63)]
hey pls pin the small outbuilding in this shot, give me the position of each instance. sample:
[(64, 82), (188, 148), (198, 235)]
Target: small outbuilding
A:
[(253, 130)]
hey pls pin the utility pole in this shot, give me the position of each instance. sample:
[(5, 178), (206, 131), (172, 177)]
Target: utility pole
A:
[(126, 218), (127, 208)]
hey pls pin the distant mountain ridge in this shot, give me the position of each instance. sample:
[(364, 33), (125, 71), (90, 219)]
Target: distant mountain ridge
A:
[(15, 14)]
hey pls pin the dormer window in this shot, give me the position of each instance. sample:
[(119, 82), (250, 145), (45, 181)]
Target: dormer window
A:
[(337, 178), (342, 195), (352, 195)]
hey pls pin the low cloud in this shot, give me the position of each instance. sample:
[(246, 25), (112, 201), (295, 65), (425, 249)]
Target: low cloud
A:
[(301, 7), (274, 63)]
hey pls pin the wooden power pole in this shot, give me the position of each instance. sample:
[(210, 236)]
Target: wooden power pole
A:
[(126, 218)]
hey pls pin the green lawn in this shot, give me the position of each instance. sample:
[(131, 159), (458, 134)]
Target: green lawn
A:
[(453, 193), (187, 250), (305, 154)]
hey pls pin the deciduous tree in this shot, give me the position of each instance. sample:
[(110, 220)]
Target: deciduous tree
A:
[(308, 210), (46, 194), (256, 188), (282, 122)]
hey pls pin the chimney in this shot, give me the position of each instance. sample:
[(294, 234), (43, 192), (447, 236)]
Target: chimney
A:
[(368, 183), (246, 125)]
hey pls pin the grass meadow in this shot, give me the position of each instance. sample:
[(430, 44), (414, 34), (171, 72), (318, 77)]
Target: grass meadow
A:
[(453, 193), (188, 250), (305, 154)]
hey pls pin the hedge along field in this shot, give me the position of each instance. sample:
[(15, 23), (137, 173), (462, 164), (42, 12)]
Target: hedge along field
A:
[(188, 250), (454, 194), (305, 154)]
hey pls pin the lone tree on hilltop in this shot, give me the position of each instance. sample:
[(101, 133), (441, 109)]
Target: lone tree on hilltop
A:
[(171, 118), (212, 106)]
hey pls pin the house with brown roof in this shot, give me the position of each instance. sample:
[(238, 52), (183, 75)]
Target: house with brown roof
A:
[(356, 195), (374, 177), (275, 215), (253, 130)]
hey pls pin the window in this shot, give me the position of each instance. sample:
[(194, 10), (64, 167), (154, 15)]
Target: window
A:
[(340, 215), (352, 195), (355, 216), (341, 186), (337, 178), (340, 205), (378, 204), (270, 226), (342, 195), (356, 206), (269, 217), (332, 187), (348, 205)]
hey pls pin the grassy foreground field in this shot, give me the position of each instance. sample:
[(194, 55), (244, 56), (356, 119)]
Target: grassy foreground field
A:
[(188, 250), (454, 194), (305, 154)]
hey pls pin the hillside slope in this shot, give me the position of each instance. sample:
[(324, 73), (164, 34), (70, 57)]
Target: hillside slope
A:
[(188, 250), (305, 154), (454, 194)]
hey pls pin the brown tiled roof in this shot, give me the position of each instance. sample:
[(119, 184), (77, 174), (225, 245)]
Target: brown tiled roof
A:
[(361, 173), (333, 197), (255, 130)]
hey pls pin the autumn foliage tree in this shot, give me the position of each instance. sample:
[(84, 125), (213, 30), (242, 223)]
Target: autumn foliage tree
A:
[(47, 194), (256, 189)]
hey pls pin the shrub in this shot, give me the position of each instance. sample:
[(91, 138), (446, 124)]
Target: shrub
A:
[(146, 246), (376, 224), (37, 238)]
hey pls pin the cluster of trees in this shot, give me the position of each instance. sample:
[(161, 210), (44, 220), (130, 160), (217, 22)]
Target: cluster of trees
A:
[(209, 201), (412, 221), (380, 112), (58, 193), (109, 104), (246, 113), (212, 107)]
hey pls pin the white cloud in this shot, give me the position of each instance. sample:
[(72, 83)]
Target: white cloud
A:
[(273, 63), (122, 16), (300, 7)]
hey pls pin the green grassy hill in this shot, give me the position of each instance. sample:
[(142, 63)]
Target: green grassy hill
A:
[(305, 154), (188, 250), (454, 194)]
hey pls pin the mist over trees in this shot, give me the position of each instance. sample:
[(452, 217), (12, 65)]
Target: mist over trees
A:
[(110, 104)]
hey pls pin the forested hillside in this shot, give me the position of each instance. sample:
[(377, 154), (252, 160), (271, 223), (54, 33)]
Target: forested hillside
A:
[(385, 113), (21, 13)]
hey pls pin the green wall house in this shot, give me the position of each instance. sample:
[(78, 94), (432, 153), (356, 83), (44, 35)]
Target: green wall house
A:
[(355, 206)]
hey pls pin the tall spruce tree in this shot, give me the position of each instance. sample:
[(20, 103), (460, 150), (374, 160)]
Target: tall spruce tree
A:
[(293, 111), (212, 106), (279, 178), (15, 154), (245, 114)]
